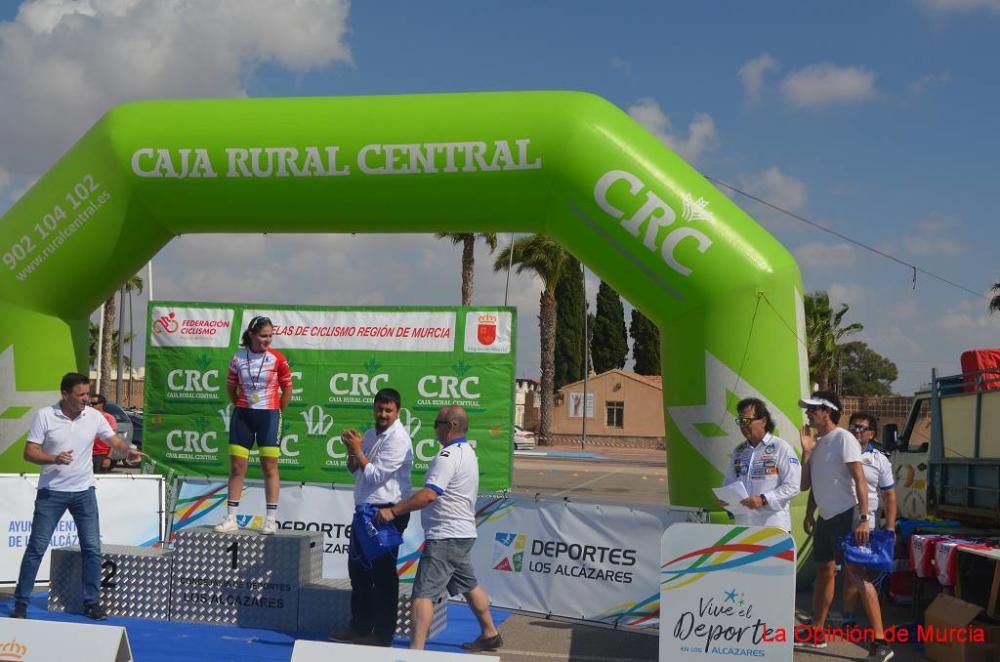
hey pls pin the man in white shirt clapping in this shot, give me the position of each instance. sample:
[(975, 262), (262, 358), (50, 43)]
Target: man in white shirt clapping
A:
[(381, 462)]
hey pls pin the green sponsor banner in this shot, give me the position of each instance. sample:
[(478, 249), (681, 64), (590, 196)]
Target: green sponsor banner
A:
[(339, 357)]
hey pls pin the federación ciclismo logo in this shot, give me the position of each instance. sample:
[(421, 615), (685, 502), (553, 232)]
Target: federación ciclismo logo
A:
[(508, 552)]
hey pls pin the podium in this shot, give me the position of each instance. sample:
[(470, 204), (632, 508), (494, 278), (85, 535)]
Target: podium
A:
[(243, 578), (135, 581), (325, 607), (240, 578)]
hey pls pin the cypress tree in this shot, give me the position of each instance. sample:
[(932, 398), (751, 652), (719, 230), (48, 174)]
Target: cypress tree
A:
[(609, 347), (570, 304), (645, 344)]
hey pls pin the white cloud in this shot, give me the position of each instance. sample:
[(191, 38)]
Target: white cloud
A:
[(63, 63), (961, 5), (934, 236), (752, 74), (979, 325), (777, 188), (826, 84), (701, 137), (817, 255), (841, 293), (922, 245), (923, 84), (904, 312)]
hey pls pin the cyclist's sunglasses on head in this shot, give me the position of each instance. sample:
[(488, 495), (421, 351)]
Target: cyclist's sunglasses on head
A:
[(258, 322)]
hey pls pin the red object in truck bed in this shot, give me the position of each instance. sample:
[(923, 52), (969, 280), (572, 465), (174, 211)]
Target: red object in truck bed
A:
[(976, 360)]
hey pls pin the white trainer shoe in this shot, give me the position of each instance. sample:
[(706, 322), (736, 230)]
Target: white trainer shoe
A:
[(228, 525), (269, 527)]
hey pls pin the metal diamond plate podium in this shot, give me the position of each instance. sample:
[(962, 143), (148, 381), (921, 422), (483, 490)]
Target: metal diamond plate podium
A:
[(135, 581), (242, 578)]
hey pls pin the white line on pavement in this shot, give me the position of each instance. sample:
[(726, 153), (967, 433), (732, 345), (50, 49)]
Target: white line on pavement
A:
[(592, 480)]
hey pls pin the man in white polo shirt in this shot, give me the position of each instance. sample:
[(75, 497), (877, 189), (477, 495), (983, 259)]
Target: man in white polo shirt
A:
[(449, 520), (831, 466), (61, 440), (381, 463)]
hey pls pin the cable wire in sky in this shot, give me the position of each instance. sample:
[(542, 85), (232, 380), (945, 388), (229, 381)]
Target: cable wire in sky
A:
[(839, 235)]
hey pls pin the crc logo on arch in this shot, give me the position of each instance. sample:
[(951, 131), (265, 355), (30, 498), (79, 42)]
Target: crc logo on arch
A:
[(176, 326)]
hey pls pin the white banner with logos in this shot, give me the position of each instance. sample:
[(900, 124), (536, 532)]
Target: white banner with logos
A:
[(323, 508), (727, 591), (397, 331), (596, 562), (131, 510), (590, 561)]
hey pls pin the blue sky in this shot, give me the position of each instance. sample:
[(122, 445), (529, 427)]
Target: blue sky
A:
[(875, 119)]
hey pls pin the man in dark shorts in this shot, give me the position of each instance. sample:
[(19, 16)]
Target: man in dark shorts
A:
[(831, 467), (448, 500)]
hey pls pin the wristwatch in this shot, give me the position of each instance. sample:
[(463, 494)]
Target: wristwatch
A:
[(763, 500), (863, 518)]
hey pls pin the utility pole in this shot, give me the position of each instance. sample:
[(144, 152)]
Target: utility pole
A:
[(586, 358)]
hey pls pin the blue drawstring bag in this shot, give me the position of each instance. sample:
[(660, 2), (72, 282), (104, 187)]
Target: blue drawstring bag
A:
[(877, 554), (376, 539)]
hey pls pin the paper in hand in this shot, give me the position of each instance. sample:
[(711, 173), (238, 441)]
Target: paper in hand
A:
[(732, 494)]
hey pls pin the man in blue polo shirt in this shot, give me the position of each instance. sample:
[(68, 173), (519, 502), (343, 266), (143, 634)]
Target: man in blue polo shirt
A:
[(61, 440), (448, 500)]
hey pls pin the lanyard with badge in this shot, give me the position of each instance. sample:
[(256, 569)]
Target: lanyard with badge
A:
[(254, 381)]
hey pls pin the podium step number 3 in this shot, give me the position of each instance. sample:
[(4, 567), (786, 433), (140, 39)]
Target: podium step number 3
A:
[(22, 639)]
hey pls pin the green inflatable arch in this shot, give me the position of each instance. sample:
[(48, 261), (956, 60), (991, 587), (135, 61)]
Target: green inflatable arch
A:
[(725, 294)]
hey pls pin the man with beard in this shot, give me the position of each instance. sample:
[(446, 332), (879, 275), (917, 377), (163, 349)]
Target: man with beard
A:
[(381, 462)]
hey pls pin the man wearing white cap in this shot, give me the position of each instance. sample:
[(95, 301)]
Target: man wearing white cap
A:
[(831, 467)]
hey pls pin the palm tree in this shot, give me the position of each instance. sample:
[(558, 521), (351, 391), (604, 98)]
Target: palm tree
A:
[(468, 241), (995, 301), (824, 335), (110, 333), (548, 260), (92, 346)]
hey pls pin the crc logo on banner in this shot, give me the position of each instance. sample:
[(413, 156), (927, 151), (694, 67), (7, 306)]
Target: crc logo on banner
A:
[(191, 327), (460, 388), (202, 382), (598, 563), (358, 387), (487, 332), (194, 443)]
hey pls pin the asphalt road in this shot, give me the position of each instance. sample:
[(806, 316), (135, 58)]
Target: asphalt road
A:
[(628, 479)]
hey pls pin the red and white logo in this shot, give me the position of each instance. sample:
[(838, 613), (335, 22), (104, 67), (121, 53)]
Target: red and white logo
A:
[(166, 324), (177, 326), (486, 330)]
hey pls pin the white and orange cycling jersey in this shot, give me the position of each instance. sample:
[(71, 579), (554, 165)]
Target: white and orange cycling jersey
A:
[(259, 375)]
